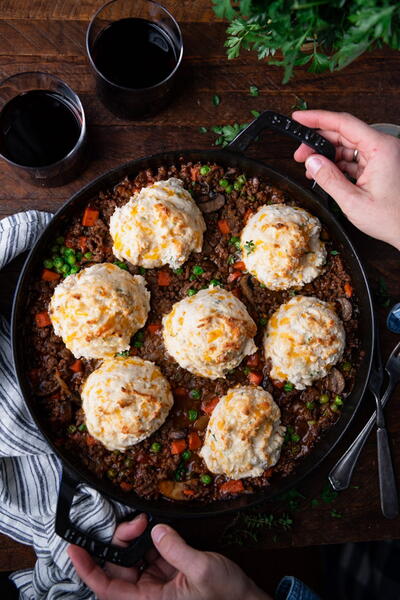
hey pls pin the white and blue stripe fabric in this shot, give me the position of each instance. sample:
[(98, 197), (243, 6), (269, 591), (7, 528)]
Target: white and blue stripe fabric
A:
[(30, 473)]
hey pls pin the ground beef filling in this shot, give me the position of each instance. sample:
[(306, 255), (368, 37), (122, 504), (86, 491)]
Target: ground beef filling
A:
[(150, 468)]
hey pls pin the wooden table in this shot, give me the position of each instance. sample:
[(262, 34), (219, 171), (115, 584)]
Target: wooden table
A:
[(36, 35)]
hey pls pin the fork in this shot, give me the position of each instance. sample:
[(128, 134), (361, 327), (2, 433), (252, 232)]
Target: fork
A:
[(341, 474)]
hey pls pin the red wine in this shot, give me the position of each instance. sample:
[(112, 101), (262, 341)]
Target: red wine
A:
[(134, 53), (38, 128)]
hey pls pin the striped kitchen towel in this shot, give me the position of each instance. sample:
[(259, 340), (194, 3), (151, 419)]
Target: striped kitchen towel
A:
[(30, 473)]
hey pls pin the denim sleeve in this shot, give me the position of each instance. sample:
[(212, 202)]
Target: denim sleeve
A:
[(290, 588)]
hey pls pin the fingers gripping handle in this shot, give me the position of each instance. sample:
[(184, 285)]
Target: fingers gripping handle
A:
[(277, 122), (126, 557)]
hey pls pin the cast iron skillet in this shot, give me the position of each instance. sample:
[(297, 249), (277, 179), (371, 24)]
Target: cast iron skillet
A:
[(161, 510)]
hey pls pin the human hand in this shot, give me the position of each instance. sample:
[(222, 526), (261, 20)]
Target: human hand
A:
[(372, 203), (175, 571)]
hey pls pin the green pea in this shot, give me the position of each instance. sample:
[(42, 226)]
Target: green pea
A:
[(192, 414), (197, 270), (48, 264), (79, 256), (191, 292), (215, 282), (206, 479), (324, 398), (71, 260), (192, 277), (288, 387), (338, 401), (69, 252), (111, 473), (295, 437), (58, 262), (196, 394), (88, 255), (229, 189), (82, 427), (155, 447), (237, 186), (223, 183), (310, 405), (65, 269), (186, 454), (204, 170), (74, 269), (63, 249), (346, 366), (334, 407), (71, 428), (241, 179), (60, 240), (178, 271)]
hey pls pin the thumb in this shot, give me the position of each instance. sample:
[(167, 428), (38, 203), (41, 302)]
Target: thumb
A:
[(331, 179), (177, 552)]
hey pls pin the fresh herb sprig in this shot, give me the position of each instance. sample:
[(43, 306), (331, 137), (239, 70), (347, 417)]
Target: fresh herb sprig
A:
[(323, 34)]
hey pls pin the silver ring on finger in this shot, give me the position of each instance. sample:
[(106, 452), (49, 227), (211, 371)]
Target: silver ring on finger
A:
[(355, 155)]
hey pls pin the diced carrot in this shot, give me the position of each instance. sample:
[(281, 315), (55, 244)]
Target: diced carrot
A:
[(249, 213), (223, 226), (194, 173), (42, 319), (154, 327), (348, 290), (255, 378), (239, 265), (163, 278), (126, 487), (69, 243), (90, 217), (180, 392), (234, 486), (194, 441), (253, 360), (209, 406), (77, 366), (188, 492), (178, 446), (90, 441), (233, 276), (48, 275), (236, 292), (278, 384), (82, 243)]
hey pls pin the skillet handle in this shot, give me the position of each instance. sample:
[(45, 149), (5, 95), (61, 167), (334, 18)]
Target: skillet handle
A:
[(277, 122), (125, 557)]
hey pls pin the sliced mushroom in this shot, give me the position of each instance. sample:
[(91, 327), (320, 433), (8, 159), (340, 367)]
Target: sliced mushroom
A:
[(246, 288), (174, 489), (212, 205), (335, 381), (346, 308), (201, 423)]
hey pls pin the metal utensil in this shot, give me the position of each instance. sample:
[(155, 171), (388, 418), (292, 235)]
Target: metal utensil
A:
[(341, 474), (387, 480)]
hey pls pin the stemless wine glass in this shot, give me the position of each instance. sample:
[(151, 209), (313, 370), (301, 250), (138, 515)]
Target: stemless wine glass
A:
[(135, 49), (28, 124)]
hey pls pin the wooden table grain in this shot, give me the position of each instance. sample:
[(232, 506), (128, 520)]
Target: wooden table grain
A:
[(37, 35)]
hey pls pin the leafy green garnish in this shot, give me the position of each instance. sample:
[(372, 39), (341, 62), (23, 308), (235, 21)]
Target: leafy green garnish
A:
[(124, 353), (254, 91), (216, 100), (203, 129), (255, 113), (227, 133), (300, 104), (250, 247), (322, 34)]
